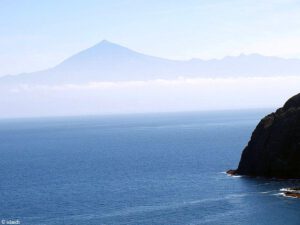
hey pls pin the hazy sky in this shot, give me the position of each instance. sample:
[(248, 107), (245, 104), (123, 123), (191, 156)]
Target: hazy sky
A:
[(37, 34)]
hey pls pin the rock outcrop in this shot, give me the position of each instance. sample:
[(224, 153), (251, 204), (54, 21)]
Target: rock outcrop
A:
[(274, 148), (291, 192)]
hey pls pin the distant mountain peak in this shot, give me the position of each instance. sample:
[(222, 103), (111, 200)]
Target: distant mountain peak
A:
[(106, 43), (97, 54), (107, 48), (109, 61)]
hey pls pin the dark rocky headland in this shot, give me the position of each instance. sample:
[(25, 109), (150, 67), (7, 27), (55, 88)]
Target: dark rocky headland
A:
[(274, 148)]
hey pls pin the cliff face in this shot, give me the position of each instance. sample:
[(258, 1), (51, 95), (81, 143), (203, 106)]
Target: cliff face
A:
[(274, 148)]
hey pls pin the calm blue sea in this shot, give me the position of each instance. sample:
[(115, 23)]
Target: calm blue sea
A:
[(135, 169)]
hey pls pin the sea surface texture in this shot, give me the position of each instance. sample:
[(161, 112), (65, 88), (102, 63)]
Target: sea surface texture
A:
[(136, 169)]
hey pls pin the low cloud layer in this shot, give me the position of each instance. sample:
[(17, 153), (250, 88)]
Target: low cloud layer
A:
[(147, 96)]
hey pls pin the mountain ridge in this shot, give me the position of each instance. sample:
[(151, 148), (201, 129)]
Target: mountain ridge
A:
[(107, 61)]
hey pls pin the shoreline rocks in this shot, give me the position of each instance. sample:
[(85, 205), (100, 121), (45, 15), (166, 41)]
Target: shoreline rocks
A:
[(231, 172), (291, 192)]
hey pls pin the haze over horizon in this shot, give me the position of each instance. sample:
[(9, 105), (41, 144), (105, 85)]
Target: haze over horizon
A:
[(111, 79)]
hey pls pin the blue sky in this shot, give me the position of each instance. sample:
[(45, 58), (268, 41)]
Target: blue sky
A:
[(36, 34)]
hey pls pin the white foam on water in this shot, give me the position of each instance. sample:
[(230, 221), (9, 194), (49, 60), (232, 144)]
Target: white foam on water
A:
[(279, 194), (285, 189), (287, 196), (266, 192)]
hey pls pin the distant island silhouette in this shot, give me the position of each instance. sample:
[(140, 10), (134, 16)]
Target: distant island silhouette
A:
[(107, 61)]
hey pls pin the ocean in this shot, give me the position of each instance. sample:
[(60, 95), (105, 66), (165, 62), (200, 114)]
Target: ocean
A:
[(140, 169)]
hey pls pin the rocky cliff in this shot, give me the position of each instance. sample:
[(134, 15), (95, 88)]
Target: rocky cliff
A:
[(274, 148)]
